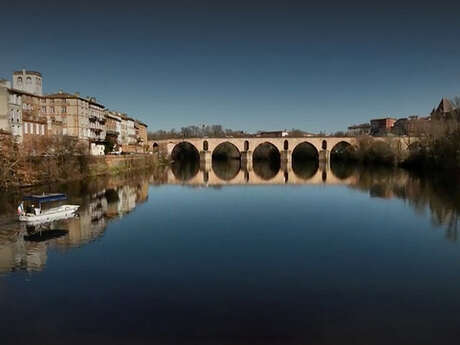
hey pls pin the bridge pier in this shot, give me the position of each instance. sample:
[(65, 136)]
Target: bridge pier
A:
[(286, 160), (205, 160), (246, 160), (324, 155)]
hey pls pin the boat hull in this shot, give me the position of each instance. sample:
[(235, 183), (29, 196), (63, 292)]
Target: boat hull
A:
[(57, 213)]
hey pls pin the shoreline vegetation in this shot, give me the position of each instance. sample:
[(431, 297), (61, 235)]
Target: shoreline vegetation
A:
[(62, 159), (435, 149)]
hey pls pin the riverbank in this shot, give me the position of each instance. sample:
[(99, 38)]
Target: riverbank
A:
[(34, 171), (429, 152)]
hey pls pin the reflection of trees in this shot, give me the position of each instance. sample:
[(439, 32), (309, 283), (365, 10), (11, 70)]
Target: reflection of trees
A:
[(341, 169), (437, 193), (226, 169)]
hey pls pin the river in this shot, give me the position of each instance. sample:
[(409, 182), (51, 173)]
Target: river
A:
[(316, 255)]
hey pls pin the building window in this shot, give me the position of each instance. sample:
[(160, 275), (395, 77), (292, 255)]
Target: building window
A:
[(29, 80), (51, 109), (64, 109), (42, 129), (26, 127), (44, 109)]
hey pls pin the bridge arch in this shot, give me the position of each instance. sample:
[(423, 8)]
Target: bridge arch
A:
[(226, 150), (342, 150), (184, 148), (266, 160), (186, 161), (305, 160), (305, 150)]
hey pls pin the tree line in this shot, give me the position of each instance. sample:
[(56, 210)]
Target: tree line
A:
[(193, 131)]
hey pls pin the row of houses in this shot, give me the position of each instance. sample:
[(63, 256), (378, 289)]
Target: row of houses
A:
[(25, 113), (410, 126)]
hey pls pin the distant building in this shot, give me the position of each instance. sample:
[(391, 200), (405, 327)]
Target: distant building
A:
[(20, 114), (25, 112), (28, 81), (361, 129), (141, 133), (412, 126), (382, 126), (445, 110), (113, 128)]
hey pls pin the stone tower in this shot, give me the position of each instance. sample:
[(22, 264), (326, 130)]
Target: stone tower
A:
[(28, 81)]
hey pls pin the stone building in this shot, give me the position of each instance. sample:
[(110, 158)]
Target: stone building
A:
[(361, 129), (113, 129), (34, 121), (382, 126), (28, 81), (11, 112), (141, 133), (25, 113), (445, 111), (21, 115), (128, 135), (97, 130), (67, 114), (412, 126), (75, 116)]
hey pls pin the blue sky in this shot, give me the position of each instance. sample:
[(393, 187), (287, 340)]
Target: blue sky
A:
[(246, 65)]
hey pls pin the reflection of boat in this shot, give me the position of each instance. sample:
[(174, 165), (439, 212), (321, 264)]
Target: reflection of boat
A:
[(40, 236), (36, 215)]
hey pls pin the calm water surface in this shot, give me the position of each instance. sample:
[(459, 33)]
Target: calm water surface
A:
[(311, 256)]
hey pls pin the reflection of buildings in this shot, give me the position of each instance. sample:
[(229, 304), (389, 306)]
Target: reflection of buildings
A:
[(118, 198), (102, 206), (17, 254)]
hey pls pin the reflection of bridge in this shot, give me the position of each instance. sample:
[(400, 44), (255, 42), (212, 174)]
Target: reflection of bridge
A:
[(323, 175), (246, 146)]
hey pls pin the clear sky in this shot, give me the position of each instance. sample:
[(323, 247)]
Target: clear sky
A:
[(243, 64)]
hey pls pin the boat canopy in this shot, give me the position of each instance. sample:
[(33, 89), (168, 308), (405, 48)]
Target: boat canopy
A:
[(45, 197)]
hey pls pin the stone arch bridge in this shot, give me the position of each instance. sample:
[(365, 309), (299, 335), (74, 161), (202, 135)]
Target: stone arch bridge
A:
[(246, 146)]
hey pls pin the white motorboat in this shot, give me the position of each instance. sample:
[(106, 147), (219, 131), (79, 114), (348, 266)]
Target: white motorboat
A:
[(33, 213)]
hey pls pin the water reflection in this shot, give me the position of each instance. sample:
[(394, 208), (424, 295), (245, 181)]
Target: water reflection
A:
[(185, 169), (104, 200), (305, 169), (226, 169), (266, 169), (24, 248)]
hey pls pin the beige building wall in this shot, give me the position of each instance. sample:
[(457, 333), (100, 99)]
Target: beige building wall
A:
[(4, 121)]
